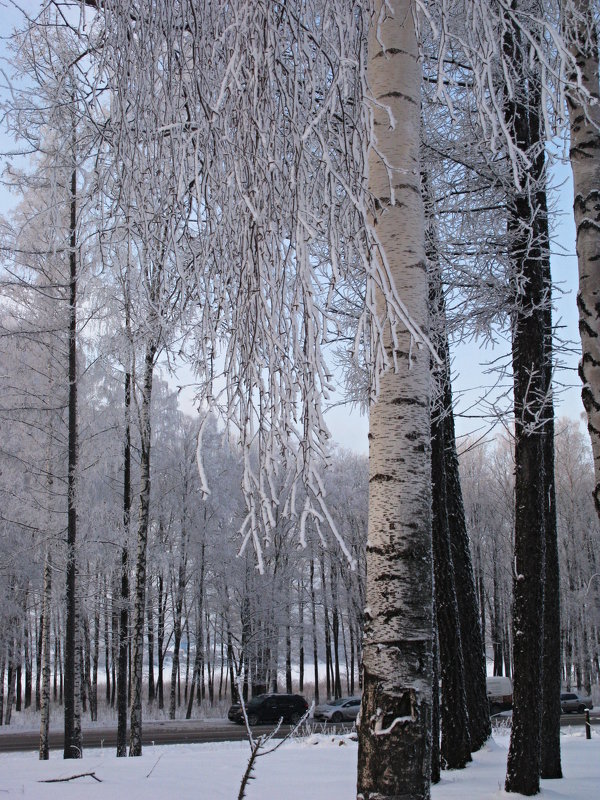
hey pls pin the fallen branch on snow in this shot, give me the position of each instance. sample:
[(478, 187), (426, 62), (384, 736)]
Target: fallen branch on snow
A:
[(72, 778)]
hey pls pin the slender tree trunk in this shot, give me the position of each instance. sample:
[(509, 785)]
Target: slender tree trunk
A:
[(139, 608), (18, 701), (150, 637), (472, 635), (394, 757), (335, 630), (455, 748), (95, 655), (461, 647), (301, 636), (2, 676), (551, 711), (45, 660), (122, 676), (27, 659), (106, 645), (10, 682), (38, 664), (72, 679), (160, 638), (313, 609), (176, 641)]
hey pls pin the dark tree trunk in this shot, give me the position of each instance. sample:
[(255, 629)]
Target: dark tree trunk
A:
[(72, 722), (435, 711), (550, 740), (2, 671), (335, 630), (150, 637), (38, 665), (449, 520), (28, 664), (455, 748), (176, 641), (95, 656), (106, 646), (44, 751), (139, 608), (160, 639), (301, 637), (18, 699), (313, 608), (122, 676), (528, 350)]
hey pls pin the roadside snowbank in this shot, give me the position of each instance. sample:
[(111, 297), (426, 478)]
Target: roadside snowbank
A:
[(317, 768)]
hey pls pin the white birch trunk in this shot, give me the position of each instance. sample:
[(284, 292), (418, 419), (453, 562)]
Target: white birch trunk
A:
[(585, 164), (394, 731)]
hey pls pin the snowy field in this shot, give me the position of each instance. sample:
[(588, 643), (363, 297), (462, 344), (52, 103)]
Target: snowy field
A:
[(316, 768)]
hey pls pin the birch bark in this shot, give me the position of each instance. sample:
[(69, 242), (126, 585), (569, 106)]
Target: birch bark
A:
[(395, 719), (139, 608), (582, 38)]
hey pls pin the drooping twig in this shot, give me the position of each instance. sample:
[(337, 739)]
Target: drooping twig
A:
[(72, 778)]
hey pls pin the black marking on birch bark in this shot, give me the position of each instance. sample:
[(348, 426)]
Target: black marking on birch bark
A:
[(582, 149), (587, 225), (409, 187), (400, 96), (588, 360), (393, 51), (585, 329), (409, 401), (386, 202), (381, 478), (581, 202), (590, 404), (377, 549)]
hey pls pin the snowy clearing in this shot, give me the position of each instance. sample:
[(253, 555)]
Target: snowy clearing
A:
[(319, 768)]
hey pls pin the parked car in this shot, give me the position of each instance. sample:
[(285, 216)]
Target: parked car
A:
[(266, 708), (345, 708), (500, 693), (571, 702)]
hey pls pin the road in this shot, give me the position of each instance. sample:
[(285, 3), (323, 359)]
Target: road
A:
[(186, 732)]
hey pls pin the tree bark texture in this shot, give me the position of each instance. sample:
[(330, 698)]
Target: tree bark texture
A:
[(124, 600), (72, 727), (139, 609), (526, 252), (582, 38), (455, 747), (45, 683), (457, 581), (394, 758)]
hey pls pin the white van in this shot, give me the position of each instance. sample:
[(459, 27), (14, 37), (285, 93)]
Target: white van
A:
[(500, 694)]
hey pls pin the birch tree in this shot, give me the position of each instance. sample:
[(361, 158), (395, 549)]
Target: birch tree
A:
[(394, 730), (580, 25)]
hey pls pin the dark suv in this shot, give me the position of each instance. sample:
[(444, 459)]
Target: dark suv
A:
[(270, 708)]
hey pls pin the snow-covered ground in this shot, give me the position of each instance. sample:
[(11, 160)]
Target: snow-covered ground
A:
[(315, 768)]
